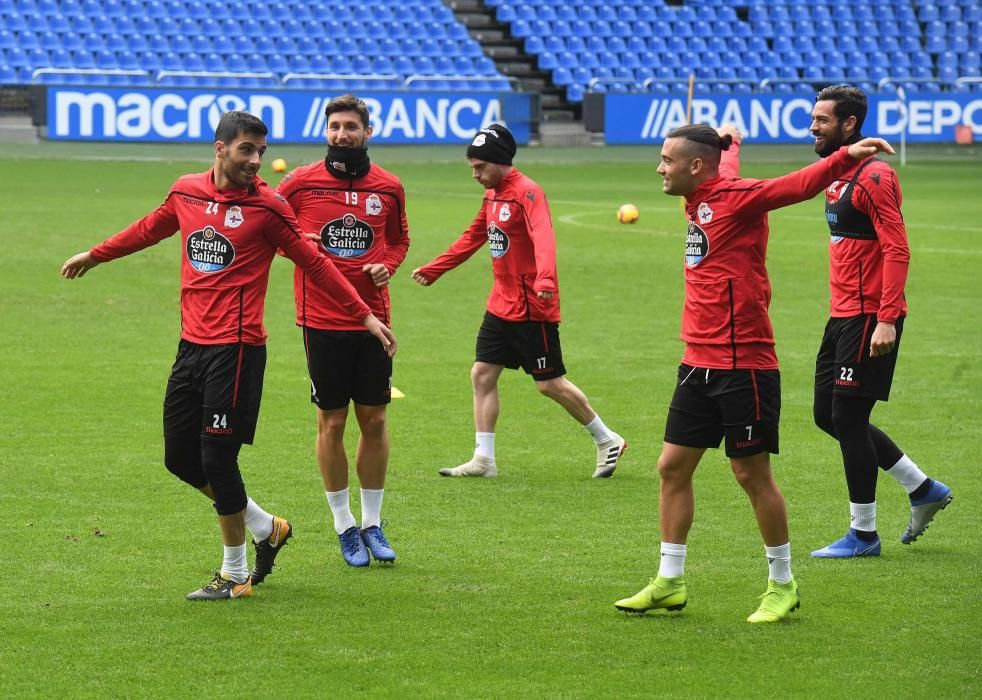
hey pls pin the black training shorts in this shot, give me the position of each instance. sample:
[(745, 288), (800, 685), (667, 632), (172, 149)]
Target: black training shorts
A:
[(742, 405), (347, 366), (214, 392), (843, 365), (531, 345)]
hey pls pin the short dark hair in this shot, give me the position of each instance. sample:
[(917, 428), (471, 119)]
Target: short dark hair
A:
[(849, 102), (348, 103), (234, 124), (708, 143)]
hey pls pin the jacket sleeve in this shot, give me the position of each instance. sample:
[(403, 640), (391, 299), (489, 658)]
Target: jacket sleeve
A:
[(396, 234), (879, 198), (150, 230), (799, 186), (284, 234), (543, 239), (463, 248)]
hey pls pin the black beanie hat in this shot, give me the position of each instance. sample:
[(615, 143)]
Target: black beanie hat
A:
[(493, 144)]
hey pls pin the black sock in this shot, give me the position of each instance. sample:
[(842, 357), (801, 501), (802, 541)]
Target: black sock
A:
[(921, 491), (866, 536)]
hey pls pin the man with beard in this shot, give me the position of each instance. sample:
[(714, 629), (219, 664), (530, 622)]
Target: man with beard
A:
[(521, 324), (856, 360), (231, 226), (356, 211)]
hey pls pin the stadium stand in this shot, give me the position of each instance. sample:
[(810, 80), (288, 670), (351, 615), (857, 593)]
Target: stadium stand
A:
[(736, 46), (409, 45), (731, 46)]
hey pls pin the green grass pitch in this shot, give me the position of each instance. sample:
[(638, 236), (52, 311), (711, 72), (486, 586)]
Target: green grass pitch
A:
[(503, 588)]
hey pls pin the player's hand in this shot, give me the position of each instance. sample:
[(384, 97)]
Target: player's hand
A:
[(419, 279), (545, 295), (378, 272), (315, 237), (78, 265), (883, 340), (869, 147), (731, 129), (382, 332)]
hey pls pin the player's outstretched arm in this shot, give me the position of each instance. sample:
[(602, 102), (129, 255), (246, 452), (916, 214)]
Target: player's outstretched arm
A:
[(382, 332), (869, 147), (78, 265)]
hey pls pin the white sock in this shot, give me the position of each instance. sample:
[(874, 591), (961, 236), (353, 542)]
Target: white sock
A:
[(371, 507), (907, 474), (672, 564), (862, 516), (235, 566), (258, 521), (341, 510), (484, 446), (778, 562), (599, 431)]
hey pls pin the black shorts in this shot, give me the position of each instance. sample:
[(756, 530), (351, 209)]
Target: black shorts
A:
[(531, 345), (843, 365), (214, 392), (742, 405), (347, 366)]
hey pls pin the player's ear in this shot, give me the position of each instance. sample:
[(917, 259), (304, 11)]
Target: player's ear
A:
[(368, 132), (850, 123), (219, 149)]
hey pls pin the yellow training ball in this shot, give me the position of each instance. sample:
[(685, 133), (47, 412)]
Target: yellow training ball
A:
[(628, 214), (279, 165)]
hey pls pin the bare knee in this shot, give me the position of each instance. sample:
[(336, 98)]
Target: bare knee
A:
[(753, 473), (483, 376), (330, 425), (371, 421), (672, 470), (553, 388)]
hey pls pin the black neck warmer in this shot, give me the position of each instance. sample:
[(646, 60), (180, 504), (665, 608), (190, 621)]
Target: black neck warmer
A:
[(345, 161)]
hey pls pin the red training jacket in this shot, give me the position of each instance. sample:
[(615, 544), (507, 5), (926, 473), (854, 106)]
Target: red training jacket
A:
[(360, 221), (868, 251), (228, 241), (727, 291), (515, 222)]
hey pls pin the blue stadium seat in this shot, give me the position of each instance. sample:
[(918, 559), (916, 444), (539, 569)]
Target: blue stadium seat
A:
[(562, 76), (60, 58), (106, 60), (150, 61)]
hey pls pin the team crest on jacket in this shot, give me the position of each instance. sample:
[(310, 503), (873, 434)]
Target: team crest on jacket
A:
[(705, 213), (497, 241), (347, 237), (373, 205), (233, 217), (696, 245), (836, 190), (504, 213), (209, 251)]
